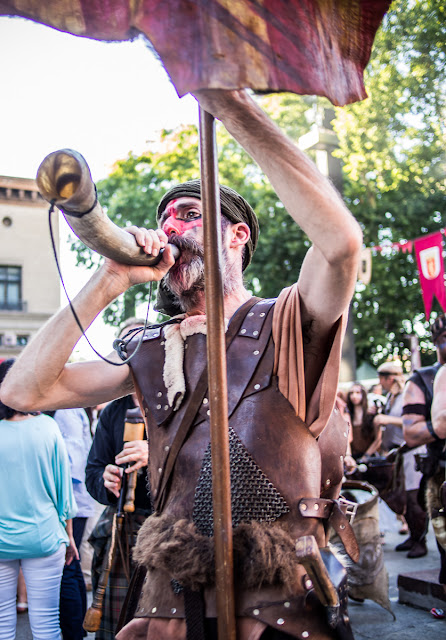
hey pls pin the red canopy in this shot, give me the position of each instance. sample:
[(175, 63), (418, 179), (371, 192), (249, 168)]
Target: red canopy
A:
[(317, 47)]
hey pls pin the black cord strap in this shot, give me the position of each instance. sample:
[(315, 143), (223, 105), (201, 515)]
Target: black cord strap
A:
[(73, 311)]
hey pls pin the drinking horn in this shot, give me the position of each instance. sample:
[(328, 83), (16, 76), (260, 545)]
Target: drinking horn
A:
[(64, 179)]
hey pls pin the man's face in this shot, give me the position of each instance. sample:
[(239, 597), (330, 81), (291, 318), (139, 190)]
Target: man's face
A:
[(182, 216), (386, 380), (182, 222), (440, 345)]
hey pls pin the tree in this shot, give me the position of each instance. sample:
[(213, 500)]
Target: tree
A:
[(392, 146)]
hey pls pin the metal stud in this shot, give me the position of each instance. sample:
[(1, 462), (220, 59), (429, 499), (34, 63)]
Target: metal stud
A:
[(303, 506), (159, 394), (208, 412), (280, 621), (256, 612), (166, 406), (243, 331), (305, 634), (205, 400), (251, 313), (154, 610), (256, 386), (256, 353), (173, 610), (287, 605), (158, 406), (308, 584), (262, 314), (342, 526), (328, 482), (255, 333), (316, 507), (166, 448), (162, 342), (160, 470)]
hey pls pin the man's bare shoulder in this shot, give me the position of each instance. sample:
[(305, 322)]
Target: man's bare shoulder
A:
[(440, 380), (413, 394)]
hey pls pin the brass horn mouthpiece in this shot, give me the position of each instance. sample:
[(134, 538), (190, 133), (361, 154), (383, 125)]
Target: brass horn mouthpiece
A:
[(64, 179)]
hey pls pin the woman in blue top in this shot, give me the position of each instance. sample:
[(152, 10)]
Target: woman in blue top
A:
[(36, 507)]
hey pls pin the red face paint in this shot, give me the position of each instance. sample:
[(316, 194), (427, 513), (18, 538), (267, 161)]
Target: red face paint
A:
[(181, 215)]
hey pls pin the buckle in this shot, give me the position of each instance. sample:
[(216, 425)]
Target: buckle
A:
[(348, 508)]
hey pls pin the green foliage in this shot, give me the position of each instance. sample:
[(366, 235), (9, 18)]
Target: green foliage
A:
[(393, 152), (392, 146)]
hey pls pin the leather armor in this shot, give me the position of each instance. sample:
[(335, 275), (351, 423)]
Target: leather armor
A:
[(283, 475)]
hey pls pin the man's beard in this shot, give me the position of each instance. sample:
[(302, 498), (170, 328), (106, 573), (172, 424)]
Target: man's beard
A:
[(185, 280)]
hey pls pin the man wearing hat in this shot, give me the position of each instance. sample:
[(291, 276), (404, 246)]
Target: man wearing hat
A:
[(392, 379), (419, 430), (283, 358)]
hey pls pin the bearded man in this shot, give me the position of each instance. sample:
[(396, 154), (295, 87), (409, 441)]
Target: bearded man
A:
[(283, 359)]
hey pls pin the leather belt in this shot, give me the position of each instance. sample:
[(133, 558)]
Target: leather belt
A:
[(339, 514)]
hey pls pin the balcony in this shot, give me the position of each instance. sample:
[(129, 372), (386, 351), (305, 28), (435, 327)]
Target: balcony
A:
[(20, 305)]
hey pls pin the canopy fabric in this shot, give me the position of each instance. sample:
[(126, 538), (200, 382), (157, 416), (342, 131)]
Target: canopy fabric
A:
[(317, 47)]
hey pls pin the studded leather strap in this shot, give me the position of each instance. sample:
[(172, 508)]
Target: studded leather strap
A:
[(335, 512)]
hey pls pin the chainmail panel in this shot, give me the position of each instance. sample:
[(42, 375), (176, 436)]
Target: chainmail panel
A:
[(253, 496)]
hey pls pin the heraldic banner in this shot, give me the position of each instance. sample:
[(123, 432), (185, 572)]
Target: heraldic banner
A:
[(429, 252)]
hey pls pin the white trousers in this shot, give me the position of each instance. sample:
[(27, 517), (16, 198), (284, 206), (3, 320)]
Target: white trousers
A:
[(42, 578)]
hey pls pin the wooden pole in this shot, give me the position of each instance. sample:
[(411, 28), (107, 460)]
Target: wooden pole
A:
[(217, 378)]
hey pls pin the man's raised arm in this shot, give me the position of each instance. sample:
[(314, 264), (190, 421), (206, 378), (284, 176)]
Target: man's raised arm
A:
[(439, 404), (328, 274), (41, 378)]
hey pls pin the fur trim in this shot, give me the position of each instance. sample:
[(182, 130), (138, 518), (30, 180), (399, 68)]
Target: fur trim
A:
[(264, 555), (173, 371), (173, 374)]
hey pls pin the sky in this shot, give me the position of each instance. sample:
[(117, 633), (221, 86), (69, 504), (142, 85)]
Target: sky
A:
[(101, 99)]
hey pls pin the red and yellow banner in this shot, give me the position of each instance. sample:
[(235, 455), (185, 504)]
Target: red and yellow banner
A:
[(429, 253), (317, 47)]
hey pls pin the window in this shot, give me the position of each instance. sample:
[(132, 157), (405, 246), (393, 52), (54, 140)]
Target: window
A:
[(10, 288), (22, 341)]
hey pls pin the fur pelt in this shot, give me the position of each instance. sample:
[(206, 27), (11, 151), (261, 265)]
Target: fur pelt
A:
[(173, 371), (264, 554)]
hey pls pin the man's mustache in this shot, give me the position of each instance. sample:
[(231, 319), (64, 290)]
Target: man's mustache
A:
[(187, 245)]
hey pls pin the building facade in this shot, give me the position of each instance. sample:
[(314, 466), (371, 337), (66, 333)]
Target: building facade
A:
[(29, 283)]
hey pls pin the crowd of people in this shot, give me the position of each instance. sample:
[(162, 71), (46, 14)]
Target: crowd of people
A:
[(395, 446), (285, 439)]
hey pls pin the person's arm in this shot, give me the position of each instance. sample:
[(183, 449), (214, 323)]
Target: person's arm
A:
[(329, 271), (415, 426), (72, 551), (41, 378), (328, 274), (438, 412), (103, 450), (378, 436), (382, 420)]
